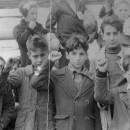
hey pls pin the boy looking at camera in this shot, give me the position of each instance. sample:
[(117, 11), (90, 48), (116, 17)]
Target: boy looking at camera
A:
[(72, 87), (35, 110)]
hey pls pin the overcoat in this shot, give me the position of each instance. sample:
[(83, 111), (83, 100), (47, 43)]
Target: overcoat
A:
[(35, 110), (74, 110), (119, 98)]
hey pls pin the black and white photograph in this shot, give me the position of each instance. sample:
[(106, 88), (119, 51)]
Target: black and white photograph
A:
[(64, 64)]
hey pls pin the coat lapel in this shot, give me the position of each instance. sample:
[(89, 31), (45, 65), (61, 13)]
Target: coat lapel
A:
[(69, 84), (86, 85)]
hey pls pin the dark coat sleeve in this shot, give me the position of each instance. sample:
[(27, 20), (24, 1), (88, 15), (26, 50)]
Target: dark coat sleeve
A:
[(7, 83), (101, 92), (102, 12), (7, 109), (51, 21), (45, 78), (98, 125), (21, 34)]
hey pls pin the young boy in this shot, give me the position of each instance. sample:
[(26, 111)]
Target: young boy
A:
[(35, 110), (111, 28), (72, 87), (28, 25), (119, 97)]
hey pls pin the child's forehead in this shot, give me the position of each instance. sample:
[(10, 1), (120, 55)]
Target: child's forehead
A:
[(39, 50), (110, 28), (79, 49)]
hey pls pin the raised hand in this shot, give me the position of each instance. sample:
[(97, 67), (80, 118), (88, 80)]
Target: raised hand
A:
[(101, 64), (32, 24), (11, 62), (54, 56)]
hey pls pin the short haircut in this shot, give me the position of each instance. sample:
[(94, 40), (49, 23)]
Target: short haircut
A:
[(75, 42), (25, 6), (126, 63), (35, 42), (119, 2), (2, 59), (113, 21)]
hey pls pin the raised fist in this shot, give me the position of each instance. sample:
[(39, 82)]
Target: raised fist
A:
[(54, 56), (32, 24), (101, 65)]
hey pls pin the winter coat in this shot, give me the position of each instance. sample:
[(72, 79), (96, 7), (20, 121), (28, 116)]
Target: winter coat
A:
[(66, 19), (21, 32), (118, 97), (74, 110), (34, 105), (6, 109)]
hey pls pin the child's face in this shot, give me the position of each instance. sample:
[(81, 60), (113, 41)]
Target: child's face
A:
[(37, 56), (77, 58), (111, 36), (32, 14), (123, 11)]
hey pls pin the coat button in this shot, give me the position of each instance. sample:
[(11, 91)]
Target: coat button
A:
[(86, 118), (74, 118), (87, 101)]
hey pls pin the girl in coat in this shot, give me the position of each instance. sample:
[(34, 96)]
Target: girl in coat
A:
[(28, 26)]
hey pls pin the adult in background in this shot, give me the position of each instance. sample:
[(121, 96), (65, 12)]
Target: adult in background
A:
[(28, 26), (68, 15)]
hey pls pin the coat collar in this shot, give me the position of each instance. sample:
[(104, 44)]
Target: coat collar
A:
[(69, 85)]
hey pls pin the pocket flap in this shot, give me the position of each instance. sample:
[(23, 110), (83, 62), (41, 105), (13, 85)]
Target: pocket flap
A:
[(61, 116)]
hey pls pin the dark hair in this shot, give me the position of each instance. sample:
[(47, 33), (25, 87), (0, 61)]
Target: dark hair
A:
[(114, 21), (126, 63), (2, 59), (24, 11), (75, 42), (35, 42)]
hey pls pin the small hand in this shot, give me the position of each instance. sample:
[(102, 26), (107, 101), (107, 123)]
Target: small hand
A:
[(10, 63), (101, 65), (54, 56), (32, 24)]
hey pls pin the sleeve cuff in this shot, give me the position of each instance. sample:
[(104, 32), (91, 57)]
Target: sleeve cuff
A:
[(101, 74)]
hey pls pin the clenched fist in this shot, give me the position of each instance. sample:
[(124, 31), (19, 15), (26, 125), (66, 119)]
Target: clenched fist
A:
[(101, 65), (54, 56), (32, 24)]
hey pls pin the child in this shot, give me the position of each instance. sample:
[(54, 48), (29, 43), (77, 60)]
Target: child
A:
[(6, 102), (35, 107), (72, 87), (122, 9), (28, 26), (118, 97), (112, 29)]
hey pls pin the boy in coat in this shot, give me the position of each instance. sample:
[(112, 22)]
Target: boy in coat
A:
[(35, 110), (6, 102), (119, 97), (72, 87), (27, 26)]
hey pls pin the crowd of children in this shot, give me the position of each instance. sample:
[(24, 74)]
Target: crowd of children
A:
[(50, 86)]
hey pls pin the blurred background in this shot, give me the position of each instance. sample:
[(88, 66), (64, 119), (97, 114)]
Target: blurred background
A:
[(10, 16)]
